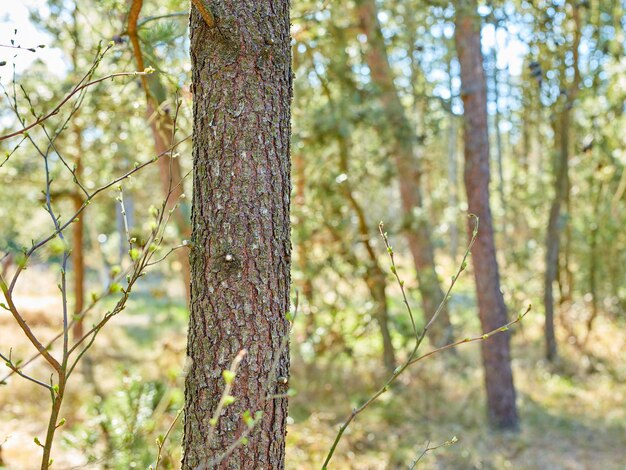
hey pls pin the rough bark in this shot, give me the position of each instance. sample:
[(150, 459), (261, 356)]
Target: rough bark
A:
[(402, 146), (496, 355), (240, 257)]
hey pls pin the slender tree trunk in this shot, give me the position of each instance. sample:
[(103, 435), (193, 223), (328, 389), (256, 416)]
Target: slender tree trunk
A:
[(78, 227), (496, 354), (561, 190), (453, 199), (555, 223), (374, 275), (452, 167), (418, 232), (240, 259), (593, 256), (162, 126), (78, 251), (172, 182)]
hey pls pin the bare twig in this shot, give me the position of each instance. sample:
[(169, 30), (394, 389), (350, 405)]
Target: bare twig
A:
[(427, 449), (72, 93), (419, 339)]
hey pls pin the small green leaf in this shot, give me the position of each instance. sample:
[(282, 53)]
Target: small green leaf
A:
[(228, 400), (248, 419), (134, 254), (115, 288), (229, 376)]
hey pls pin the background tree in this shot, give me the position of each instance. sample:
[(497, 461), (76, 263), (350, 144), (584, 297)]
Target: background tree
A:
[(501, 406), (403, 150)]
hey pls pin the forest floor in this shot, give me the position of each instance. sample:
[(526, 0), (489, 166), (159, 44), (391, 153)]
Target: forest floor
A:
[(572, 412)]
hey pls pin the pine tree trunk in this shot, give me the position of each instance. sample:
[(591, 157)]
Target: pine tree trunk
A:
[(501, 405), (240, 257), (418, 232)]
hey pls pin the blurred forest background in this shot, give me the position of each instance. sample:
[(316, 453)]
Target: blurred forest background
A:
[(377, 84)]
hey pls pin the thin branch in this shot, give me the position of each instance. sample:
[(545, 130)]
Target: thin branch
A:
[(15, 368), (161, 442), (419, 339), (76, 90), (427, 449)]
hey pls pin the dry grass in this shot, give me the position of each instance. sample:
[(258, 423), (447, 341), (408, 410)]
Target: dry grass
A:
[(573, 413)]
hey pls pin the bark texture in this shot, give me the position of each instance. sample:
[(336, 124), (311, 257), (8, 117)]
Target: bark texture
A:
[(240, 257), (402, 145), (496, 355)]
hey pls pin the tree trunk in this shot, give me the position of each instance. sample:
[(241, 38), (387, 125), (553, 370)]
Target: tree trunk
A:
[(501, 405), (453, 200), (78, 227), (162, 126), (555, 224), (555, 227), (172, 182), (240, 258), (374, 274), (402, 147), (561, 190), (78, 251)]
